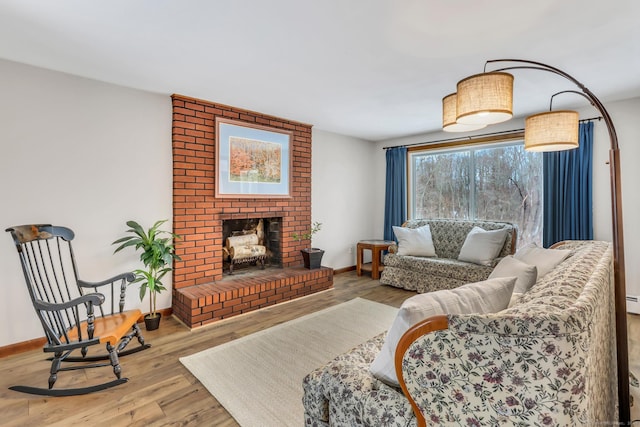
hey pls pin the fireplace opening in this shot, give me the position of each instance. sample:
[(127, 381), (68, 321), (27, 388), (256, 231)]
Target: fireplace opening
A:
[(251, 244)]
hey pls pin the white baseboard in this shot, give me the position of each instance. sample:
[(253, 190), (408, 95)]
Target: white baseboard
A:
[(633, 304)]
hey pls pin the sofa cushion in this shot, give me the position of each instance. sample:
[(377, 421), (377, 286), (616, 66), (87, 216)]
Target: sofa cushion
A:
[(344, 393), (545, 260), (439, 267), (415, 241), (482, 246), (488, 296)]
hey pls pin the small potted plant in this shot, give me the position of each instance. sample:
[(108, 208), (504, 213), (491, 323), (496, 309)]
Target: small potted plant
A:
[(156, 253), (312, 257)]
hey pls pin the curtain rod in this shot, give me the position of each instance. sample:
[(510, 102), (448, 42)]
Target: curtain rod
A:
[(462, 138)]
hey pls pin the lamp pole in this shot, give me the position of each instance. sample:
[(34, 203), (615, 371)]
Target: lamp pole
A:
[(622, 350)]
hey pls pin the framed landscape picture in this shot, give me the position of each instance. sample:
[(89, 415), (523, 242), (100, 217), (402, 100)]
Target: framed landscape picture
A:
[(252, 160)]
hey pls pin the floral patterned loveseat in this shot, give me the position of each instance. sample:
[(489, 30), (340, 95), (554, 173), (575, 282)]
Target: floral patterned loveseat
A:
[(423, 274), (547, 360)]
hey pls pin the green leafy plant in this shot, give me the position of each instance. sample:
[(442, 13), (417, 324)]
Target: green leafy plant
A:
[(157, 254), (315, 227)]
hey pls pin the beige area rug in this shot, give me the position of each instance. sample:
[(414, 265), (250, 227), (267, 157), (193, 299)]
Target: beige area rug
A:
[(258, 378)]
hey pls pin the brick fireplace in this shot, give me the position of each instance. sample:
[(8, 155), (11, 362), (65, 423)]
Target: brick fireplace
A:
[(202, 292)]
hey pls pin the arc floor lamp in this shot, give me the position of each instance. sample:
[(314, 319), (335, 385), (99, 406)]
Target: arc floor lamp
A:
[(487, 98)]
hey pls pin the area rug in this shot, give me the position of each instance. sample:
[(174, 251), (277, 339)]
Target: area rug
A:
[(258, 378)]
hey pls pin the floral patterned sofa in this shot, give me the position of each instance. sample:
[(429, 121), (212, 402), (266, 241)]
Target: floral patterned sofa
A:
[(547, 360), (423, 274)]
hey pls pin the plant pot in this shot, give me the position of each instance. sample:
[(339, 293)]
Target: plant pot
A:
[(152, 322), (312, 258)]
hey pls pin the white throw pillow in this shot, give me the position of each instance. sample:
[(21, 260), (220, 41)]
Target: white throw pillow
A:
[(525, 274), (489, 296), (544, 259), (481, 246), (415, 241)]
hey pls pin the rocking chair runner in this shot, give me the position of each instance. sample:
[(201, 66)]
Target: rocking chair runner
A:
[(73, 314)]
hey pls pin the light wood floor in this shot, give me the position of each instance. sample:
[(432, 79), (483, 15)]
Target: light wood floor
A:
[(161, 392)]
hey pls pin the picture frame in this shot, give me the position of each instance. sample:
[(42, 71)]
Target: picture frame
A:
[(252, 161)]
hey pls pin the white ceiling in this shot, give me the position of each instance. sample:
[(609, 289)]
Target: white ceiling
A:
[(373, 69)]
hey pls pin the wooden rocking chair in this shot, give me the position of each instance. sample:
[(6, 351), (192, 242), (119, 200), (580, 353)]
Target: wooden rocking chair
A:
[(73, 313)]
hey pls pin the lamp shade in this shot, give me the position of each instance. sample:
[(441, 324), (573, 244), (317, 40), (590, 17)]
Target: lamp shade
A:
[(551, 131), (485, 98), (449, 123)]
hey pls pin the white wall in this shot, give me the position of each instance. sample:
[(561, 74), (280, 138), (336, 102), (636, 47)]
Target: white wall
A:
[(625, 117), (83, 154), (343, 188)]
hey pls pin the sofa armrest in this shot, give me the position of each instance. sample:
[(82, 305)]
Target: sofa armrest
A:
[(393, 249), (431, 324), (470, 373)]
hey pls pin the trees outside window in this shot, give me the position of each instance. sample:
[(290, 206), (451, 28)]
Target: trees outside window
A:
[(500, 182)]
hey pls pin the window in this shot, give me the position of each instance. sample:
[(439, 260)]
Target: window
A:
[(494, 182)]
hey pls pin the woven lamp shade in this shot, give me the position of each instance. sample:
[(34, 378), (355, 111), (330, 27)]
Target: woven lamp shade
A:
[(485, 98), (551, 131), (449, 123)]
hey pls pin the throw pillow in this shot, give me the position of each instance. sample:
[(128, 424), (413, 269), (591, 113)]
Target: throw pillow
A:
[(481, 246), (488, 296), (415, 241), (525, 274), (544, 259)]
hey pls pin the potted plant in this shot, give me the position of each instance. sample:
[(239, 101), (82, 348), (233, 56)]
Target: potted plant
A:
[(312, 257), (157, 254)]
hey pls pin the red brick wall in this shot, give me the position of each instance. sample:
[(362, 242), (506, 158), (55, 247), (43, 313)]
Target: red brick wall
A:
[(197, 214)]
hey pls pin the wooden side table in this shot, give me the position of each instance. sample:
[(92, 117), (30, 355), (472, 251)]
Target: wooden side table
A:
[(376, 247)]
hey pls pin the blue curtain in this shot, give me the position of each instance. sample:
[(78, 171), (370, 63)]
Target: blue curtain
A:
[(395, 209), (568, 199)]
